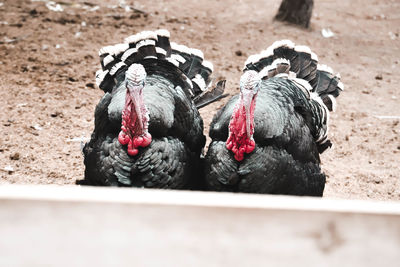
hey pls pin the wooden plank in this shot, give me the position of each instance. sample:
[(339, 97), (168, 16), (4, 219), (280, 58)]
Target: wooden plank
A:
[(84, 226)]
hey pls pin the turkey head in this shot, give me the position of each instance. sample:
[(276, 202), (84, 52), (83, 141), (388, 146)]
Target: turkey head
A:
[(135, 117), (241, 125)]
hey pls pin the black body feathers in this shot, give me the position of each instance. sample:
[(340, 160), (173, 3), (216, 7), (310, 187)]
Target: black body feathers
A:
[(176, 76), (290, 127)]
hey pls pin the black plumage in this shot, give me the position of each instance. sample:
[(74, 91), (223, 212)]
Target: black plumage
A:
[(290, 127), (172, 160)]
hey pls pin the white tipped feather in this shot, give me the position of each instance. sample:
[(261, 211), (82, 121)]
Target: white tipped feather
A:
[(128, 53), (174, 45), (116, 67), (338, 75), (280, 43), (270, 67), (107, 60), (119, 48), (106, 50), (303, 83), (267, 53), (145, 43), (287, 43), (197, 53), (341, 86), (252, 59), (324, 137), (333, 100), (149, 38), (270, 50), (160, 50), (133, 39), (281, 61), (207, 64), (173, 61), (178, 58), (100, 74), (186, 49), (256, 58), (113, 49), (181, 48), (263, 73), (317, 98), (144, 35), (314, 56), (302, 49), (190, 83), (200, 82), (323, 134), (323, 67), (163, 33)]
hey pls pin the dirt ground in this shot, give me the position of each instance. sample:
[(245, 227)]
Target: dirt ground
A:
[(48, 59)]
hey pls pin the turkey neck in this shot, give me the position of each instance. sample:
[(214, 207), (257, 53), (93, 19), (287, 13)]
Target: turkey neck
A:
[(241, 126), (135, 117), (135, 114)]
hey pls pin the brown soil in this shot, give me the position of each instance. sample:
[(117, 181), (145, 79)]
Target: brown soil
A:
[(48, 60)]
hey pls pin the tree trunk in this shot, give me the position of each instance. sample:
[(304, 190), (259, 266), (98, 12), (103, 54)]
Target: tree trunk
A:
[(296, 11)]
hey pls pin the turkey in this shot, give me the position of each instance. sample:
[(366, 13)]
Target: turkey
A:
[(268, 139), (148, 131)]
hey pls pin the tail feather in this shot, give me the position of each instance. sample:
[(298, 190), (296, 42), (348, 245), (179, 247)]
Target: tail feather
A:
[(303, 62), (278, 67), (154, 45), (202, 78), (329, 86), (147, 49), (211, 96), (303, 69), (196, 58), (163, 41)]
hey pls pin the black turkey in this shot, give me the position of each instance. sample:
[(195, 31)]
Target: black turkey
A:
[(268, 138), (148, 131)]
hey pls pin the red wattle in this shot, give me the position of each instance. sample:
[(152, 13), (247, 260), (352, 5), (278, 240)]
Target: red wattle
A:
[(235, 150), (137, 141), (146, 140), (239, 157), (123, 138), (240, 141), (240, 148), (133, 151), (250, 146), (133, 130), (142, 140), (245, 148)]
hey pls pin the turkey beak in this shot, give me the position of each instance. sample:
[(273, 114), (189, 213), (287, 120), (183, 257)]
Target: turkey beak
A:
[(247, 98)]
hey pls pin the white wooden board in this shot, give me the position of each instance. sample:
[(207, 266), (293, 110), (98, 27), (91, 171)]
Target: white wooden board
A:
[(85, 226)]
